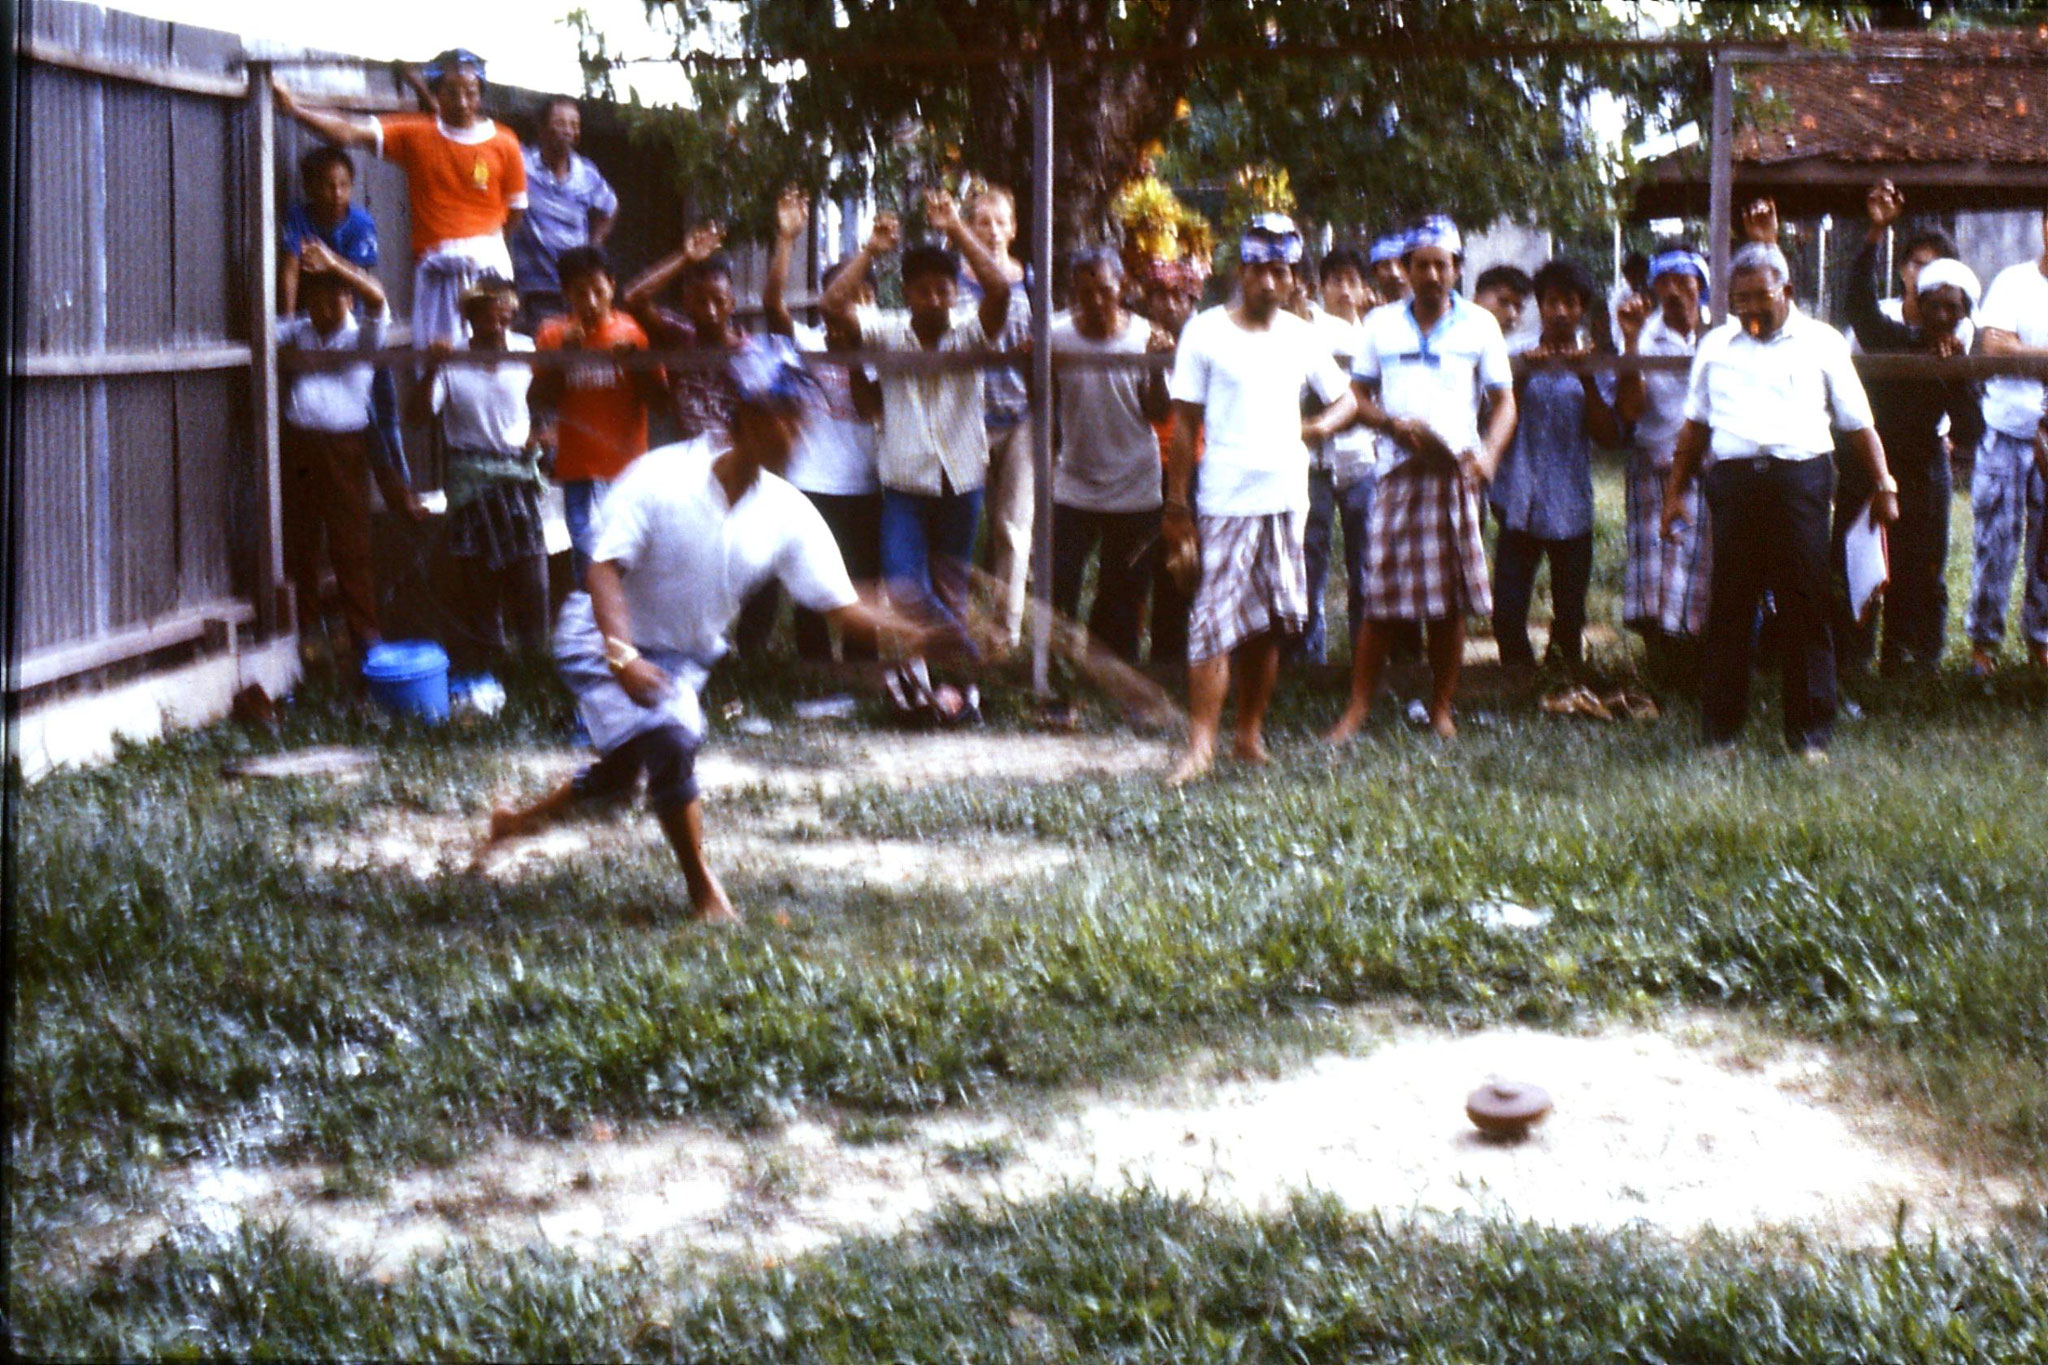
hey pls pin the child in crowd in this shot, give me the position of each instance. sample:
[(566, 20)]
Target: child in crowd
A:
[(833, 462), (1543, 493), (496, 551), (600, 407), (328, 177), (1340, 480), (326, 443), (1503, 290), (702, 396)]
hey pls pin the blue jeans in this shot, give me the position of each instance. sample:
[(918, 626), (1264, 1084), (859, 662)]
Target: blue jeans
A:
[(580, 500), (927, 542)]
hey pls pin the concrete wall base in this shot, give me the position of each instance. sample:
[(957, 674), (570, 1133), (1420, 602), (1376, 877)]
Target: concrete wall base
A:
[(84, 729)]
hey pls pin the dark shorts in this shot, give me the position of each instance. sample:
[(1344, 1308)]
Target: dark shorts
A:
[(668, 755)]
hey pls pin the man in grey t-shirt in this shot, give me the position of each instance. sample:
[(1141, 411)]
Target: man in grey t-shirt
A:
[(1106, 490)]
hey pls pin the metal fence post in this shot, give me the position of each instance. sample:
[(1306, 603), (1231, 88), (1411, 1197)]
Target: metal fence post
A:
[(1041, 373), (273, 601)]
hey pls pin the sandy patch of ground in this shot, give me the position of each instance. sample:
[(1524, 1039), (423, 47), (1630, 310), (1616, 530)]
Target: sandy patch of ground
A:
[(1695, 1125), (785, 840)]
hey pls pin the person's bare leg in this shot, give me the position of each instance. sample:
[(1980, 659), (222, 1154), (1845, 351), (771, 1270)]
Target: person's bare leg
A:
[(511, 822), (684, 826), (1368, 662), (1258, 669), (1208, 684), (1446, 658)]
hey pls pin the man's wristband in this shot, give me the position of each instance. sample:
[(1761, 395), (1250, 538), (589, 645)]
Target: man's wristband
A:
[(618, 653), (1888, 484)]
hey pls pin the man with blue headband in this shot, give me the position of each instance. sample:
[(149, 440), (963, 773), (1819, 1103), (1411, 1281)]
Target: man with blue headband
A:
[(1664, 584), (1422, 373), (689, 532), (1238, 379), (1388, 278)]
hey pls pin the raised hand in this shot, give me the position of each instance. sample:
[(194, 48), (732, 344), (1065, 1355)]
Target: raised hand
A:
[(1884, 204), (703, 239), (1760, 221), (941, 212), (792, 211), (316, 256), (1631, 315), (886, 233), (287, 103)]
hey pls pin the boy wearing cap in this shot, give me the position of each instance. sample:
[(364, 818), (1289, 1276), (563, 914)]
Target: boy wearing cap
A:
[(1910, 414), (465, 177), (1238, 377), (1421, 375), (1664, 585), (689, 533)]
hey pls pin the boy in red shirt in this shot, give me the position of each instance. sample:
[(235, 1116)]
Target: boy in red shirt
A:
[(600, 407)]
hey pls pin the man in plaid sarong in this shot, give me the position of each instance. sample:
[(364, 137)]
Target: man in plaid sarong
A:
[(1238, 378), (1419, 377)]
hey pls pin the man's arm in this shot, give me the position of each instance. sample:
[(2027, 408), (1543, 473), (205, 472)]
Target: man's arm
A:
[(1686, 454), (1884, 503), (941, 213), (837, 303), (1177, 515), (792, 211), (698, 244), (601, 225), (1153, 399), (1330, 420), (318, 256), (334, 128), (1500, 429), (513, 218), (1631, 394), (1601, 423), (643, 681), (1999, 341), (288, 284), (419, 403), (1415, 437)]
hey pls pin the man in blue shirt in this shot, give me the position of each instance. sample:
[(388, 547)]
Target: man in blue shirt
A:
[(568, 205), (329, 215)]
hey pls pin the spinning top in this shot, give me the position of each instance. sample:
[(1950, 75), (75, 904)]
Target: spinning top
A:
[(1507, 1109)]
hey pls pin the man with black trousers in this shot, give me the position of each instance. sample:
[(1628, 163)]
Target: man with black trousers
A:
[(1765, 388)]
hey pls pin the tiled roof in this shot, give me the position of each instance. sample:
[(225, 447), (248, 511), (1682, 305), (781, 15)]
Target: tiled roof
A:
[(1975, 105)]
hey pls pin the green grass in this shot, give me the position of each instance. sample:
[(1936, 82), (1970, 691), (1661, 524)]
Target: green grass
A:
[(182, 986)]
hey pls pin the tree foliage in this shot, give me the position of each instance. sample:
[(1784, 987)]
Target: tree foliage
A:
[(1424, 122)]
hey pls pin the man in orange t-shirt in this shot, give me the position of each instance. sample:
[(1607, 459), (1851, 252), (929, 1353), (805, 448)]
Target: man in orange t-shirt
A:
[(466, 179), (601, 406)]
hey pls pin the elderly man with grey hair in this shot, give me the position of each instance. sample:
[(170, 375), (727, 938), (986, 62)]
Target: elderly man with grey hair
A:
[(1106, 487), (1766, 388)]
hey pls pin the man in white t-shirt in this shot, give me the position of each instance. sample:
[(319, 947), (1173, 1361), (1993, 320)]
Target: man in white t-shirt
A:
[(2009, 486), (1238, 378), (1106, 480), (689, 531), (1424, 370)]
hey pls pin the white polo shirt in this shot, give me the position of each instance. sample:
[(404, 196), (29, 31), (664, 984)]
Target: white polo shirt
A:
[(2017, 302), (1249, 386), (689, 558), (1655, 434), (1436, 378), (1775, 397), (333, 401)]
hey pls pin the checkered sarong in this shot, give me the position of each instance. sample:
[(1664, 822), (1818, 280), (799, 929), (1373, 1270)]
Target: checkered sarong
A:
[(1665, 585), (1254, 580), (1427, 554)]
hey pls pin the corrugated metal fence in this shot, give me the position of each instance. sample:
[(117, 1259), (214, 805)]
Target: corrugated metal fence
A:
[(141, 477)]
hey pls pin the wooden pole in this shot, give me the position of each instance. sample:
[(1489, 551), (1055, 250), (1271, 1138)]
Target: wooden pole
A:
[(1041, 374), (1721, 194), (272, 603)]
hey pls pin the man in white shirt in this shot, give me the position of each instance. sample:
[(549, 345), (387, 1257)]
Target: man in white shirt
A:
[(2009, 485), (1106, 487), (1423, 371), (1766, 389), (1238, 377), (689, 532)]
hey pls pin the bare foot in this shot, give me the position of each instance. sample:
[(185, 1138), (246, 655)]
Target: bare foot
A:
[(1347, 727), (1193, 764), (713, 908), (1442, 726), (507, 823), (1251, 749)]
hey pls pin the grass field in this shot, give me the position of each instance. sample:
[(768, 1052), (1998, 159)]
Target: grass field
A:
[(184, 984)]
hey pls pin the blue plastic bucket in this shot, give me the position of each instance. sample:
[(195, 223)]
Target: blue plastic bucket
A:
[(408, 678)]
